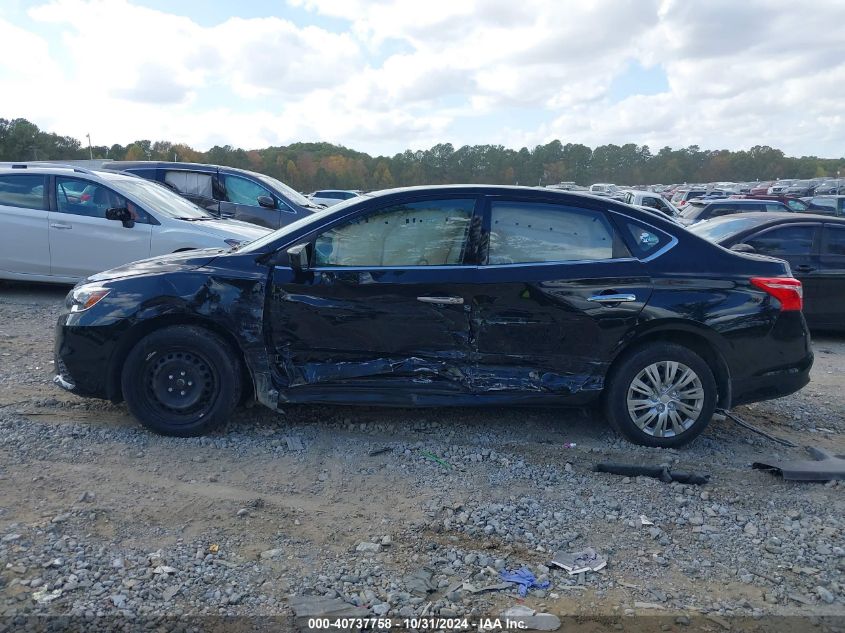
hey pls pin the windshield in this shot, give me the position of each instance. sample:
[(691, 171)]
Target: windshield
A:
[(158, 199), (289, 192), (718, 229), (314, 218)]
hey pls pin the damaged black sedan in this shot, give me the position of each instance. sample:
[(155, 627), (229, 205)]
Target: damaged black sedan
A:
[(457, 295)]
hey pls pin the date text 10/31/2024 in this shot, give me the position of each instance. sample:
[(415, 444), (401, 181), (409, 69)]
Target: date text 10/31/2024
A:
[(420, 624)]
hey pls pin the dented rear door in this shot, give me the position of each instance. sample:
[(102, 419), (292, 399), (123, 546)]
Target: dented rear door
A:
[(556, 293)]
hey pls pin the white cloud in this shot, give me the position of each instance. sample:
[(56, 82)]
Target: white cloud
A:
[(410, 74)]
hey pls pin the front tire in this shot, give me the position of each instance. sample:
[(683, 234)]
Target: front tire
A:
[(182, 381), (661, 395)]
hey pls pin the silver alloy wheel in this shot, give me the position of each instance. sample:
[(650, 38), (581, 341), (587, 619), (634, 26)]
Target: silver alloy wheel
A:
[(665, 399)]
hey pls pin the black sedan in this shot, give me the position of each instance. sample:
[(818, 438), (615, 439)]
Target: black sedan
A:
[(457, 295), (814, 246)]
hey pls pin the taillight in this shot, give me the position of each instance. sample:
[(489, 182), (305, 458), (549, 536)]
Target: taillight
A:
[(785, 289)]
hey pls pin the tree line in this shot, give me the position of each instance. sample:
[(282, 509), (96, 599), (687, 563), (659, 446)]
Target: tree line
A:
[(310, 166)]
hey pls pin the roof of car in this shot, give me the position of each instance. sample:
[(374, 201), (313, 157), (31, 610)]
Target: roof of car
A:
[(777, 216)]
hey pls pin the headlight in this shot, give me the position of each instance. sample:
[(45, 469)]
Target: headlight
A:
[(85, 297), (233, 243)]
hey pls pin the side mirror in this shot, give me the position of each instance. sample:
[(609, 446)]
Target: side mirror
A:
[(267, 202), (121, 214), (743, 248), (299, 257)]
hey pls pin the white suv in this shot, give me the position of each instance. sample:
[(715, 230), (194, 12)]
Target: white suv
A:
[(61, 224)]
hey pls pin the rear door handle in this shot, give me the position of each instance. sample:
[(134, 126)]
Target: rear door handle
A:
[(60, 225), (612, 298), (446, 301), (804, 268)]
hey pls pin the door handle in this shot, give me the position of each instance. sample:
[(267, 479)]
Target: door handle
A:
[(612, 298), (804, 268), (446, 301), (60, 225)]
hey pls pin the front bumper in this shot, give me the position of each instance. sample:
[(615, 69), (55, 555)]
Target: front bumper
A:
[(82, 357)]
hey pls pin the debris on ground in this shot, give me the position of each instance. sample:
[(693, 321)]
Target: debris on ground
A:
[(524, 618), (662, 472), (823, 467), (435, 458), (311, 607), (747, 425), (525, 578), (420, 582), (579, 562), (294, 443), (644, 520), (379, 451)]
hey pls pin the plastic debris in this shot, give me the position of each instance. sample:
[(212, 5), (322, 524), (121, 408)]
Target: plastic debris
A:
[(213, 548), (579, 562), (644, 520), (294, 443), (525, 579), (437, 459), (663, 473), (822, 467), (569, 445), (43, 596)]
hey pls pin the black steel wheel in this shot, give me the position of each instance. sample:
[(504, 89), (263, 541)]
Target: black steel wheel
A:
[(181, 380)]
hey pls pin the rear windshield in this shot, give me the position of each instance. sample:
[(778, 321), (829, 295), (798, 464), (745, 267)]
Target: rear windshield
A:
[(718, 229)]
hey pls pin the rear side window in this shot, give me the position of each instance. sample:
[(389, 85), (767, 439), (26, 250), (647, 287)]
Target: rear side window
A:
[(645, 240), (834, 242), (824, 205), (785, 240), (530, 232), (190, 183), (796, 205), (770, 206), (23, 191)]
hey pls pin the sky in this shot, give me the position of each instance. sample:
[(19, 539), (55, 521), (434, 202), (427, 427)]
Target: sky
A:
[(382, 76)]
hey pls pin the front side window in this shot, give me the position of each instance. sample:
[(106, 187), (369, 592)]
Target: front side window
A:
[(427, 233), (527, 232), (796, 205), (651, 202), (783, 241), (24, 191), (773, 207), (824, 205), (242, 191), (90, 199)]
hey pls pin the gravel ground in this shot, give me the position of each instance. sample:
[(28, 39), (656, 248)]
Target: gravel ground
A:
[(404, 512)]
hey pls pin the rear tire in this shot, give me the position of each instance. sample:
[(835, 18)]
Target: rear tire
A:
[(181, 380), (662, 394)]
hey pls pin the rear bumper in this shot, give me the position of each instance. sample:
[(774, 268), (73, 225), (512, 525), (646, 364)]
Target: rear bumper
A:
[(775, 365), (773, 384)]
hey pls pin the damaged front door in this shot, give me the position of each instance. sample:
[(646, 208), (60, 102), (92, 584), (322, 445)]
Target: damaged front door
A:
[(383, 303), (558, 289)]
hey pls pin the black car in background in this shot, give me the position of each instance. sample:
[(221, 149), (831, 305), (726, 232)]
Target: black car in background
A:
[(827, 205), (698, 211), (453, 295), (226, 192), (813, 245)]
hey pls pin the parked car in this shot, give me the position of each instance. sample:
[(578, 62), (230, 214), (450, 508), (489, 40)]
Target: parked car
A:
[(761, 188), (813, 245), (651, 200), (60, 224), (603, 189), (800, 188), (706, 209), (682, 196), (827, 205), (227, 192), (780, 187), (830, 187), (328, 197), (452, 295), (791, 203)]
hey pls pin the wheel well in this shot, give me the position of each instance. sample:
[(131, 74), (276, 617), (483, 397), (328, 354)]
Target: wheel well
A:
[(114, 391), (698, 344)]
